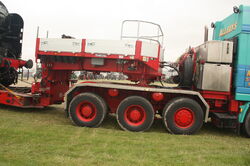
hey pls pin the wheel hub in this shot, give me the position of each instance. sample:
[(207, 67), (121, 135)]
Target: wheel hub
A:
[(86, 111), (135, 115), (184, 118)]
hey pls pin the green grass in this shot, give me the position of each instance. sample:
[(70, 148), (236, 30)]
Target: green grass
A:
[(47, 137)]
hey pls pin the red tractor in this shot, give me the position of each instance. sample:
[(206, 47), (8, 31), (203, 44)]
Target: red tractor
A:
[(140, 58), (204, 88)]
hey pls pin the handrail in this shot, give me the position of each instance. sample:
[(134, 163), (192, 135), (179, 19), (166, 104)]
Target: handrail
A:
[(142, 38), (160, 32)]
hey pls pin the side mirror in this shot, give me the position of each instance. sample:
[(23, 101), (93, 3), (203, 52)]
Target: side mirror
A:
[(236, 9), (213, 25)]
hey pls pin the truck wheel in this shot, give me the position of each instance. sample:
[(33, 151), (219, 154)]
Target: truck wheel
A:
[(88, 110), (246, 125), (183, 116), (135, 113)]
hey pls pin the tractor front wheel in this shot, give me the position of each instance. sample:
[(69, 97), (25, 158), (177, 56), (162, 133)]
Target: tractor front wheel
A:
[(246, 125), (135, 113), (183, 116), (87, 109)]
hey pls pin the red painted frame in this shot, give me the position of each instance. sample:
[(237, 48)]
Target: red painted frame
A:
[(56, 78)]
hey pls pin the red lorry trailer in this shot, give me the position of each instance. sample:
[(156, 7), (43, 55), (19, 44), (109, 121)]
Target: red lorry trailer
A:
[(183, 109)]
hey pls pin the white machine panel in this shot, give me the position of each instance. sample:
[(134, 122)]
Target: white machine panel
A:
[(60, 45), (149, 49), (216, 51), (120, 47), (161, 54)]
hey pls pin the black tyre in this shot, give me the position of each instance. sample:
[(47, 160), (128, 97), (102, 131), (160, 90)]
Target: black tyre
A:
[(29, 64), (246, 125), (8, 76), (186, 73), (135, 113), (183, 116), (87, 109)]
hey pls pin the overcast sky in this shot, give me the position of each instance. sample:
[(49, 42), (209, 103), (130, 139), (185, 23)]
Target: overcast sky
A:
[(182, 21)]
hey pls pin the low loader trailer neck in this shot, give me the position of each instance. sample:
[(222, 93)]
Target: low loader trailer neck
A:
[(212, 80)]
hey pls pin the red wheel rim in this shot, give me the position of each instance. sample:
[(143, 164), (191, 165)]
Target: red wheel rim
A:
[(86, 111), (184, 117), (135, 115)]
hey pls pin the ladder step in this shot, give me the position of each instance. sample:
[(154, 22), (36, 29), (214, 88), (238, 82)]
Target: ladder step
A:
[(224, 116), (224, 120)]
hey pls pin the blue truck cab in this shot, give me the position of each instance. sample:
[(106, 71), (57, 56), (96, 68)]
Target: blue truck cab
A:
[(236, 28)]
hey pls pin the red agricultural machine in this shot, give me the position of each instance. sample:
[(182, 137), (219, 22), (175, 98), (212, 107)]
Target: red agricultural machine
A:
[(205, 91)]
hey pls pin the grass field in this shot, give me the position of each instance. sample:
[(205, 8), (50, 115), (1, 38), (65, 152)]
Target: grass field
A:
[(47, 137)]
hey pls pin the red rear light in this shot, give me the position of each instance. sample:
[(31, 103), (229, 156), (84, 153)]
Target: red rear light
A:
[(157, 96)]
